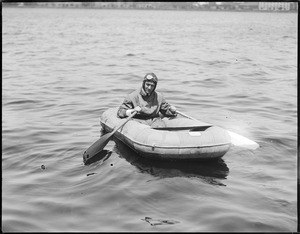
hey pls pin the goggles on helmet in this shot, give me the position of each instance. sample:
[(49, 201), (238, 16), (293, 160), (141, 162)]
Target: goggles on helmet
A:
[(150, 77)]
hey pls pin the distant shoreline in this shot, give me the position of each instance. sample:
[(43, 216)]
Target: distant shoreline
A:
[(145, 9)]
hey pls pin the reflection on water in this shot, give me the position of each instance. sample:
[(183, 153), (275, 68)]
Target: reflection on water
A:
[(211, 171)]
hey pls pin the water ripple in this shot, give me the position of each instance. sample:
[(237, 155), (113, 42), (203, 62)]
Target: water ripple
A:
[(62, 68)]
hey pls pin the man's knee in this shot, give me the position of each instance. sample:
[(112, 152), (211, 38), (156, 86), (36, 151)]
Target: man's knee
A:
[(158, 123)]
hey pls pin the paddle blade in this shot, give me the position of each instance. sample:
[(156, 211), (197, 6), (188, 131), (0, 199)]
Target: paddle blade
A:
[(96, 147), (241, 141), (102, 156)]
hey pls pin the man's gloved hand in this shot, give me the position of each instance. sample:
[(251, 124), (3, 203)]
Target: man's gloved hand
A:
[(173, 109), (138, 109), (130, 112)]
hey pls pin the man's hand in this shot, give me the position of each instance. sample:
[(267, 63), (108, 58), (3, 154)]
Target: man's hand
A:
[(173, 109), (138, 109), (130, 112)]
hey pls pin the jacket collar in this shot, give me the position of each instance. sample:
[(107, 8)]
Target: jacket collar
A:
[(144, 94)]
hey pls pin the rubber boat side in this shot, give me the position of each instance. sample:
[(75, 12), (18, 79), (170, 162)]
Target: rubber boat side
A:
[(184, 139)]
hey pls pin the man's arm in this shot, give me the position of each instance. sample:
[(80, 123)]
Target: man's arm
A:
[(166, 109), (126, 105)]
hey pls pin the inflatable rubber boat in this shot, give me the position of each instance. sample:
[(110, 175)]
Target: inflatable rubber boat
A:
[(182, 138)]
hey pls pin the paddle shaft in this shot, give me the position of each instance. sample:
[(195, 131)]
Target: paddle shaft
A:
[(98, 146), (189, 117), (121, 125)]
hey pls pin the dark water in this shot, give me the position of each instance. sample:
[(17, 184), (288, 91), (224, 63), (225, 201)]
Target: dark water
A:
[(63, 67)]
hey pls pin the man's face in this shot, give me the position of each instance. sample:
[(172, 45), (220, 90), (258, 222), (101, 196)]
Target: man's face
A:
[(149, 86)]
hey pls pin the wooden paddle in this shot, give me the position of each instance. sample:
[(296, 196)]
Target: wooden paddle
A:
[(98, 146), (236, 139)]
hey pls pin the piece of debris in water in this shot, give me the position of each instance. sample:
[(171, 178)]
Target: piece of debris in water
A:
[(154, 222)]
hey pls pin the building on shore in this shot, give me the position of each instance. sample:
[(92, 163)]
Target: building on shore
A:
[(254, 6), (274, 6)]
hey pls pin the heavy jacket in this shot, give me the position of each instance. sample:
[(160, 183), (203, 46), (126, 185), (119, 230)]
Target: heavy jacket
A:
[(151, 105)]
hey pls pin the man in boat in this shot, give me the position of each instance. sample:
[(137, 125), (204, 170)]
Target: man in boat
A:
[(150, 105)]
